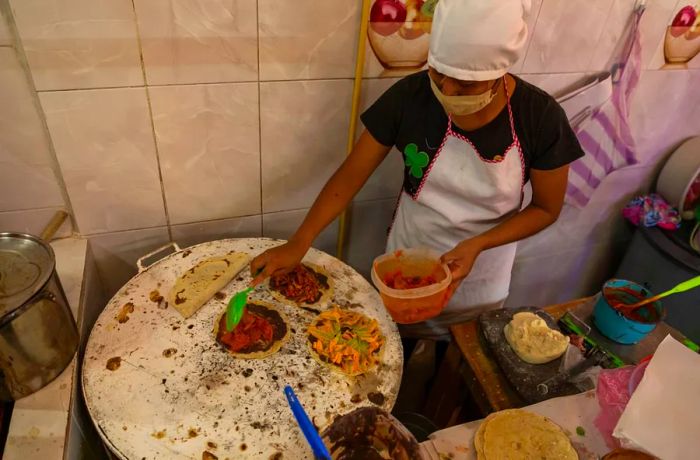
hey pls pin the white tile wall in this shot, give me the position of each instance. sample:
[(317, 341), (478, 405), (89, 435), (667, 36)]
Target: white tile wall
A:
[(388, 177), (28, 179), (116, 254), (534, 13), (209, 149), (192, 41), (665, 111), (303, 139), (566, 35), (557, 84), (608, 50), (79, 43), (282, 225), (104, 143), (201, 232), (307, 39), (369, 223), (32, 221), (5, 35)]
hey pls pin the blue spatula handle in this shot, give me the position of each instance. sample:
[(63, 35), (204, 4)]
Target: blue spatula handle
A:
[(317, 446)]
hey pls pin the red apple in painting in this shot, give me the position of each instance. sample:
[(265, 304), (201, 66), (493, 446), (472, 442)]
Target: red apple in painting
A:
[(684, 19), (387, 16)]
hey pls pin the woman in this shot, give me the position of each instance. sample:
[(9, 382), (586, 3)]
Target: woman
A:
[(472, 135)]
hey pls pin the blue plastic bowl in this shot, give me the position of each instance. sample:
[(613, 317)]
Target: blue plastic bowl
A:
[(622, 329)]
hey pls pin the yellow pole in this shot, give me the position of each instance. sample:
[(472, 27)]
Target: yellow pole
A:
[(356, 92)]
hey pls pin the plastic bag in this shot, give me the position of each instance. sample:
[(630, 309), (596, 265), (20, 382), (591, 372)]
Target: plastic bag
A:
[(614, 390)]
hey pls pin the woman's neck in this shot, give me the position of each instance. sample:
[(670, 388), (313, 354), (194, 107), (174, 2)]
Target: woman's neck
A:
[(486, 115)]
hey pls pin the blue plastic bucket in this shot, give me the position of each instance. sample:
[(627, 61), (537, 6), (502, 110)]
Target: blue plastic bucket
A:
[(628, 329)]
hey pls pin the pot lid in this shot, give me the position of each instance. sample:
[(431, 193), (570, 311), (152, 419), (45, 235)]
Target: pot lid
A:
[(26, 263)]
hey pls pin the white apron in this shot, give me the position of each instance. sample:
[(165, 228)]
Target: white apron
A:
[(462, 195)]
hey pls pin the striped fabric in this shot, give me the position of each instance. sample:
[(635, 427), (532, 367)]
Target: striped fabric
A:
[(606, 137)]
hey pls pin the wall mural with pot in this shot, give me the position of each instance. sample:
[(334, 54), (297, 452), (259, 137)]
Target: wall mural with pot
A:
[(682, 39), (399, 35)]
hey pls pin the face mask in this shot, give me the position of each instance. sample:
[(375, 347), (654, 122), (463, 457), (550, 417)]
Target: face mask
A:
[(463, 105)]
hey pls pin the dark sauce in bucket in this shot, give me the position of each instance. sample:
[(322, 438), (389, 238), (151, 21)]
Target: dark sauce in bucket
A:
[(620, 296)]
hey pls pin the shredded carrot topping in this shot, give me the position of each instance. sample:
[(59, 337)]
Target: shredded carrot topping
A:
[(301, 285), (347, 339)]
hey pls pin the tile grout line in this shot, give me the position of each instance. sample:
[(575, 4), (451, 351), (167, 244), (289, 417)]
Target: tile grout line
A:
[(24, 64), (602, 33), (260, 162), (153, 126), (534, 27)]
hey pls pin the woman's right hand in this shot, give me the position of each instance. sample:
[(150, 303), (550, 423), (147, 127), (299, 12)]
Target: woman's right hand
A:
[(278, 260)]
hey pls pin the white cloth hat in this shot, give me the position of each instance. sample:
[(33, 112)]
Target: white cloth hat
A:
[(477, 39)]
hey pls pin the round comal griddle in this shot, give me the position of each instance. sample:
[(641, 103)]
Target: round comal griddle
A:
[(159, 386)]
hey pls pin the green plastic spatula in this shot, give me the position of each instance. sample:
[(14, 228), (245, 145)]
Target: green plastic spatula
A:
[(682, 287), (236, 306)]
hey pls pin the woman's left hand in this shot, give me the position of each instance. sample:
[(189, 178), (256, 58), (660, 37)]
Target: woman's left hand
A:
[(461, 259)]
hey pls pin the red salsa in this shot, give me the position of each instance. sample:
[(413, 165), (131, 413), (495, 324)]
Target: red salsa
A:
[(253, 332), (397, 280)]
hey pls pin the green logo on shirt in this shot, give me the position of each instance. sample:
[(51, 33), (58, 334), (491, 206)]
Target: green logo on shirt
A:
[(415, 160)]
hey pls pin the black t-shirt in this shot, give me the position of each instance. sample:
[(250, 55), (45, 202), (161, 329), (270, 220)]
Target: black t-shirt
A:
[(409, 113)]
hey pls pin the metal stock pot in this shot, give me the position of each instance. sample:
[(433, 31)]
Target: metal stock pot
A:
[(38, 334)]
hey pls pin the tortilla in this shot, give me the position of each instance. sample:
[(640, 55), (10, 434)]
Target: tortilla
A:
[(326, 288), (197, 285), (260, 348), (346, 341), (516, 434), (532, 340)]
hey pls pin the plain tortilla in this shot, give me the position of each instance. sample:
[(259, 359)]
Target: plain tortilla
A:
[(326, 294), (197, 285), (276, 345), (521, 435)]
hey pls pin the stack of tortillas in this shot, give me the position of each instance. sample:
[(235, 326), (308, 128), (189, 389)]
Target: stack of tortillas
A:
[(532, 340), (516, 434), (197, 285)]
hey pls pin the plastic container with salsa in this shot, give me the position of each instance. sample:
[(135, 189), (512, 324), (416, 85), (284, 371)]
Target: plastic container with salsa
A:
[(412, 283)]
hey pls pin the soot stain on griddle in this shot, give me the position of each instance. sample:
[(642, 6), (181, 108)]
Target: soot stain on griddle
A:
[(123, 315), (155, 296), (376, 398), (261, 426), (114, 363), (168, 352)]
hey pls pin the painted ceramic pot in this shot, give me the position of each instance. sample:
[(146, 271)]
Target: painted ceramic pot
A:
[(399, 32)]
